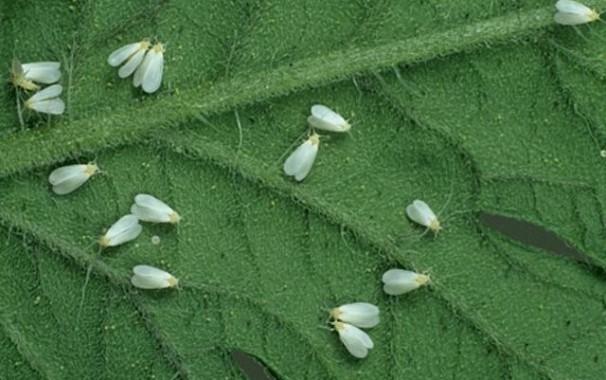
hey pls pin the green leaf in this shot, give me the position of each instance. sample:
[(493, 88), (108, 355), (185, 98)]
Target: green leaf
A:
[(471, 106)]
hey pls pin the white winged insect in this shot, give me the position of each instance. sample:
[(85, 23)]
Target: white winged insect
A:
[(28, 75), (326, 119), (300, 162), (149, 73), (127, 228), (148, 277), (360, 314), (132, 54), (47, 101), (420, 212), (400, 281), (356, 341), (69, 178), (150, 209), (348, 319), (571, 12)]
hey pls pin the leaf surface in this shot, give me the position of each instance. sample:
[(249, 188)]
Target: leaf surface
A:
[(471, 106)]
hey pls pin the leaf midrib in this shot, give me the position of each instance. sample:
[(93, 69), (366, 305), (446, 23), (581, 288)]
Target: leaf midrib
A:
[(128, 124)]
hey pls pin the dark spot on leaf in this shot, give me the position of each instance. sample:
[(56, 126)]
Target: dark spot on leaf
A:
[(251, 367), (531, 234)]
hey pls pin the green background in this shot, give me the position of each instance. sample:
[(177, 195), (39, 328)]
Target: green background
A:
[(474, 106)]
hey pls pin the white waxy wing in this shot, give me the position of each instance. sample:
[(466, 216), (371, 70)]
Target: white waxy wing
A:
[(149, 271), (68, 178), (300, 162), (150, 209), (148, 277), (139, 73), (148, 282), (569, 6), (420, 213), (571, 18), (131, 65), (120, 55), (355, 340), (65, 172), (152, 76), (399, 281), (360, 314), (125, 229), (42, 72), (47, 93), (54, 106), (326, 119)]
